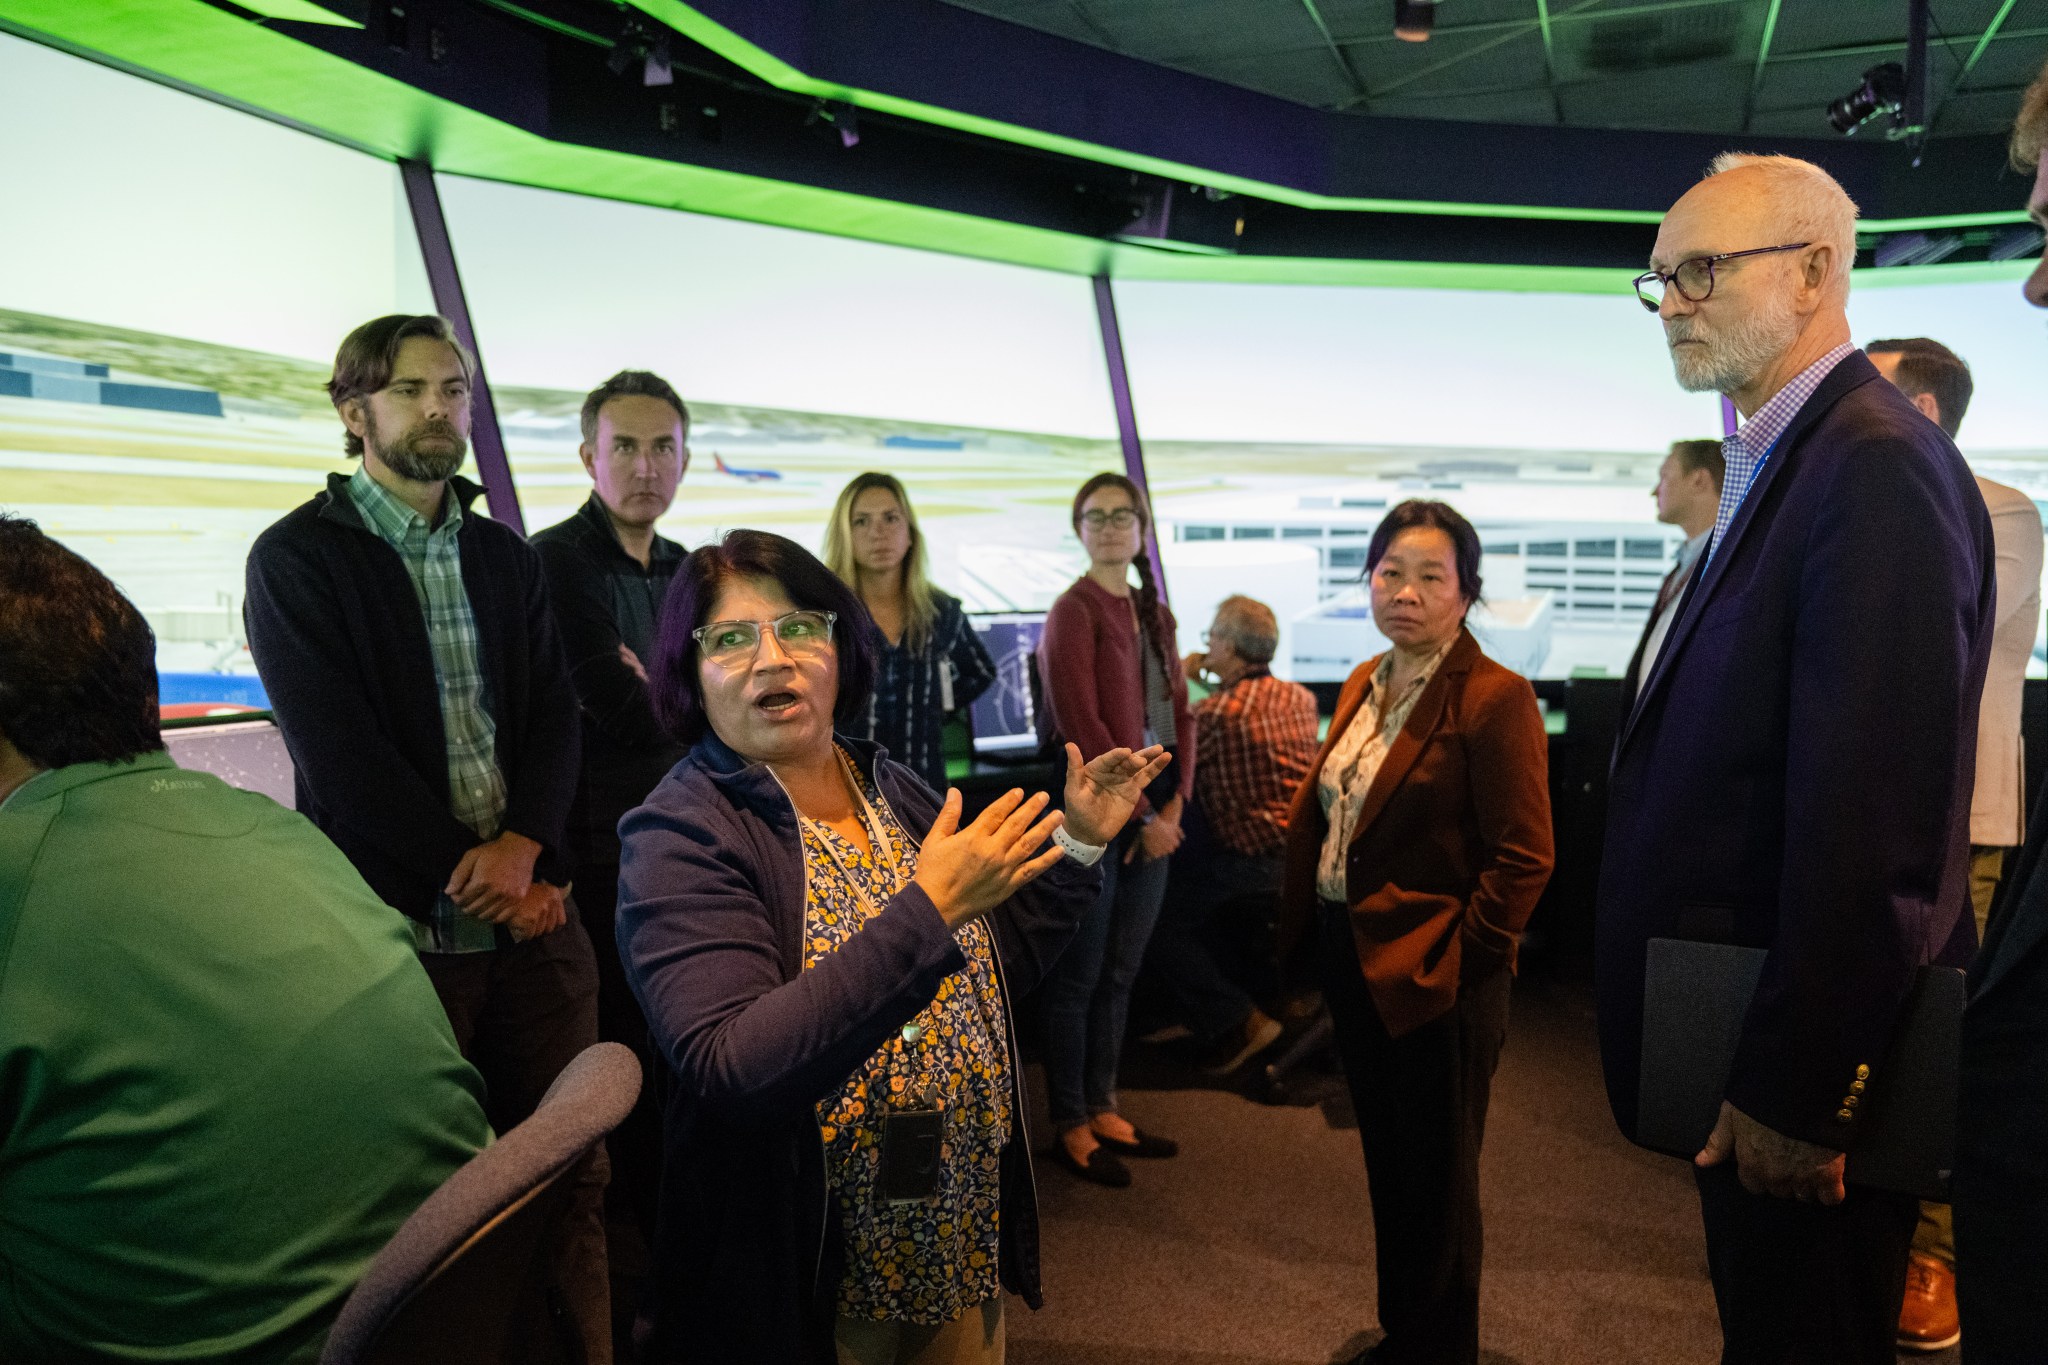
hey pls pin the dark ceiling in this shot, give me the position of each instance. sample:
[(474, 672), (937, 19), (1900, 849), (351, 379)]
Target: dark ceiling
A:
[(1767, 67)]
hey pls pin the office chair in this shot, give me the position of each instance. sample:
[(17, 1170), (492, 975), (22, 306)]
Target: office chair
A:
[(463, 1271)]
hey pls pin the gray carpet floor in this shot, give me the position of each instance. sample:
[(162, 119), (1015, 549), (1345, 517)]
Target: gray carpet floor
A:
[(1254, 1246)]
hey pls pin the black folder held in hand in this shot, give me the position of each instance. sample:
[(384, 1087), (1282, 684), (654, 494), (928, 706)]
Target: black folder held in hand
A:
[(1695, 998)]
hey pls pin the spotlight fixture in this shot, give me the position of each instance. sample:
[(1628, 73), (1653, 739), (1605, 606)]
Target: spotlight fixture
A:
[(1881, 95), (1413, 20), (838, 115), (656, 70), (623, 52), (646, 46)]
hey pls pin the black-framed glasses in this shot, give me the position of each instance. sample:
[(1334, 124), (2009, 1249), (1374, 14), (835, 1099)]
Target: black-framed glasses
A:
[(798, 632), (1123, 518), (1694, 279)]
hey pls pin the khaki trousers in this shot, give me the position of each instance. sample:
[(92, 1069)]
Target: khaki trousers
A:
[(1936, 1235), (973, 1338)]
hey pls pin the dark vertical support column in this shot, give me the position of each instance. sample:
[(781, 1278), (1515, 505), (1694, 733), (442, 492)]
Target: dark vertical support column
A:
[(485, 438), (1126, 414)]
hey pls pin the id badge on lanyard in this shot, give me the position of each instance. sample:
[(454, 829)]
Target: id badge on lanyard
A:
[(911, 1141), (912, 1134)]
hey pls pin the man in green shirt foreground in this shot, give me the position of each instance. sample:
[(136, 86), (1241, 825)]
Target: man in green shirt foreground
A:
[(224, 1078)]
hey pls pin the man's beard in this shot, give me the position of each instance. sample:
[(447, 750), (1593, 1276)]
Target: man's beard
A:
[(405, 457), (1735, 354)]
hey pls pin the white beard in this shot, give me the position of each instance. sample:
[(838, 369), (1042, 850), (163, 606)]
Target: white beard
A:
[(1737, 354)]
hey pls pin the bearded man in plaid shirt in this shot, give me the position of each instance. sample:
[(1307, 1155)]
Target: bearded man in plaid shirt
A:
[(1257, 737), (414, 670)]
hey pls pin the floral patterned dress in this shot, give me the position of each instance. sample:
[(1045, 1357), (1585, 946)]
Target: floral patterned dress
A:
[(929, 1261)]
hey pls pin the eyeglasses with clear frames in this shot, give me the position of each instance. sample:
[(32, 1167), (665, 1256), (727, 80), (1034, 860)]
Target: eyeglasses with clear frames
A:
[(798, 632), (1123, 518), (1694, 279)]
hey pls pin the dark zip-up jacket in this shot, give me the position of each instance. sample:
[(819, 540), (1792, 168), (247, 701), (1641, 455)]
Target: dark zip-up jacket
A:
[(710, 928), (340, 641), (603, 598)]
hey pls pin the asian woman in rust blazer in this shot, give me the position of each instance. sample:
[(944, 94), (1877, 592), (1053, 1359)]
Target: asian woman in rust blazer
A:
[(1415, 851)]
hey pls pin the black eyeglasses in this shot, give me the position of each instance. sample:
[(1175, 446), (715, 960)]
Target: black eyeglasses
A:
[(1694, 279)]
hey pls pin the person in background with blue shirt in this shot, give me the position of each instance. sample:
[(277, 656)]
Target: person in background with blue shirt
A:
[(928, 660)]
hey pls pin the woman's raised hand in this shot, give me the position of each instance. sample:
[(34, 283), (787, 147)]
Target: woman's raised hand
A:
[(969, 872), (1101, 794)]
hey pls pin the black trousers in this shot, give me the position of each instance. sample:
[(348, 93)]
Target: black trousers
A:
[(635, 1145), (2001, 1178), (1805, 1284), (1421, 1102), (520, 1014), (1204, 879)]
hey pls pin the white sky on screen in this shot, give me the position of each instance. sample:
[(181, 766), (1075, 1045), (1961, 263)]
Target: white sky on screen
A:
[(133, 205)]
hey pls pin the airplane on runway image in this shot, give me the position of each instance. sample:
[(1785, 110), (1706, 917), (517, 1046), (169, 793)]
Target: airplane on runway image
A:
[(746, 475)]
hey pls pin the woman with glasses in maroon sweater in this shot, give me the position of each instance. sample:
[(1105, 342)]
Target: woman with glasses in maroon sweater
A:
[(1111, 679)]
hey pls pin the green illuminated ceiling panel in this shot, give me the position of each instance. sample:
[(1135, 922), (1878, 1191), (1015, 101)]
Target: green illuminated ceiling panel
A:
[(304, 11), (212, 52), (773, 69)]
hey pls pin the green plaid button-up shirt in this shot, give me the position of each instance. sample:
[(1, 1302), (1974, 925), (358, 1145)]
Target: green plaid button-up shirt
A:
[(476, 788)]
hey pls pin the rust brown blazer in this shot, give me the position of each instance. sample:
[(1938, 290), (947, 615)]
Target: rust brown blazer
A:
[(1453, 845)]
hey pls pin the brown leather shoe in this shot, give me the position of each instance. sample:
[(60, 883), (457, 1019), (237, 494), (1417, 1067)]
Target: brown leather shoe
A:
[(1927, 1318)]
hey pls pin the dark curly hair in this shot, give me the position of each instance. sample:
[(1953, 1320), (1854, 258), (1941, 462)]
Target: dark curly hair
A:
[(706, 570), (77, 661)]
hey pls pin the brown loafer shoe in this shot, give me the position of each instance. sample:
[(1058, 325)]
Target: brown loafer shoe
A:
[(1230, 1052), (1927, 1318)]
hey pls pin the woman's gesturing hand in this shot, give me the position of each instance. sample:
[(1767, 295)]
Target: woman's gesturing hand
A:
[(1102, 794), (969, 872)]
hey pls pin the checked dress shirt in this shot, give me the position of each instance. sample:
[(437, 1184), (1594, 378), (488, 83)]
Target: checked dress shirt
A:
[(1747, 450)]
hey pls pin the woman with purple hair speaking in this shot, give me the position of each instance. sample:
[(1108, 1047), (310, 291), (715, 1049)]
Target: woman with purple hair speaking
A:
[(825, 954)]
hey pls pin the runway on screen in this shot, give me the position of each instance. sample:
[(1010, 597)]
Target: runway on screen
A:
[(1254, 1246)]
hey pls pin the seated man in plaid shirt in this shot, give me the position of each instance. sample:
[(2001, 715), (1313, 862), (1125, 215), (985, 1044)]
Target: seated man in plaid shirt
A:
[(1257, 737)]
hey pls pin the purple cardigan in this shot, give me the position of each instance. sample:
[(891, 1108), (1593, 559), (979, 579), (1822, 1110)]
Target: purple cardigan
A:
[(710, 929)]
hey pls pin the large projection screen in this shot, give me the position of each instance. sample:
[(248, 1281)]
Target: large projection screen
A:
[(177, 278), (1281, 421), (805, 359)]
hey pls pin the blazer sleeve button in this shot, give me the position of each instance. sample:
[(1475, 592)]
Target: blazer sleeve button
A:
[(1843, 1116)]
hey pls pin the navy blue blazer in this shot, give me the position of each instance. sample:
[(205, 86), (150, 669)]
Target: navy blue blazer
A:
[(1796, 772), (710, 929)]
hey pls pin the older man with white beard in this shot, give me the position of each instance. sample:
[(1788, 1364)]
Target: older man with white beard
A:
[(1795, 774)]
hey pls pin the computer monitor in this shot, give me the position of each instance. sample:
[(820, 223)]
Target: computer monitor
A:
[(1005, 719), (242, 753)]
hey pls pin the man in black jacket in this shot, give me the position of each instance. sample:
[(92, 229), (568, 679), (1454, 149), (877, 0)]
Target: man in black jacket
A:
[(413, 667), (607, 572), (2001, 1180), (1795, 773)]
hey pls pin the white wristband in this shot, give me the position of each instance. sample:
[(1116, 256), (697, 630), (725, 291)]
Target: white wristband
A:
[(1087, 855)]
